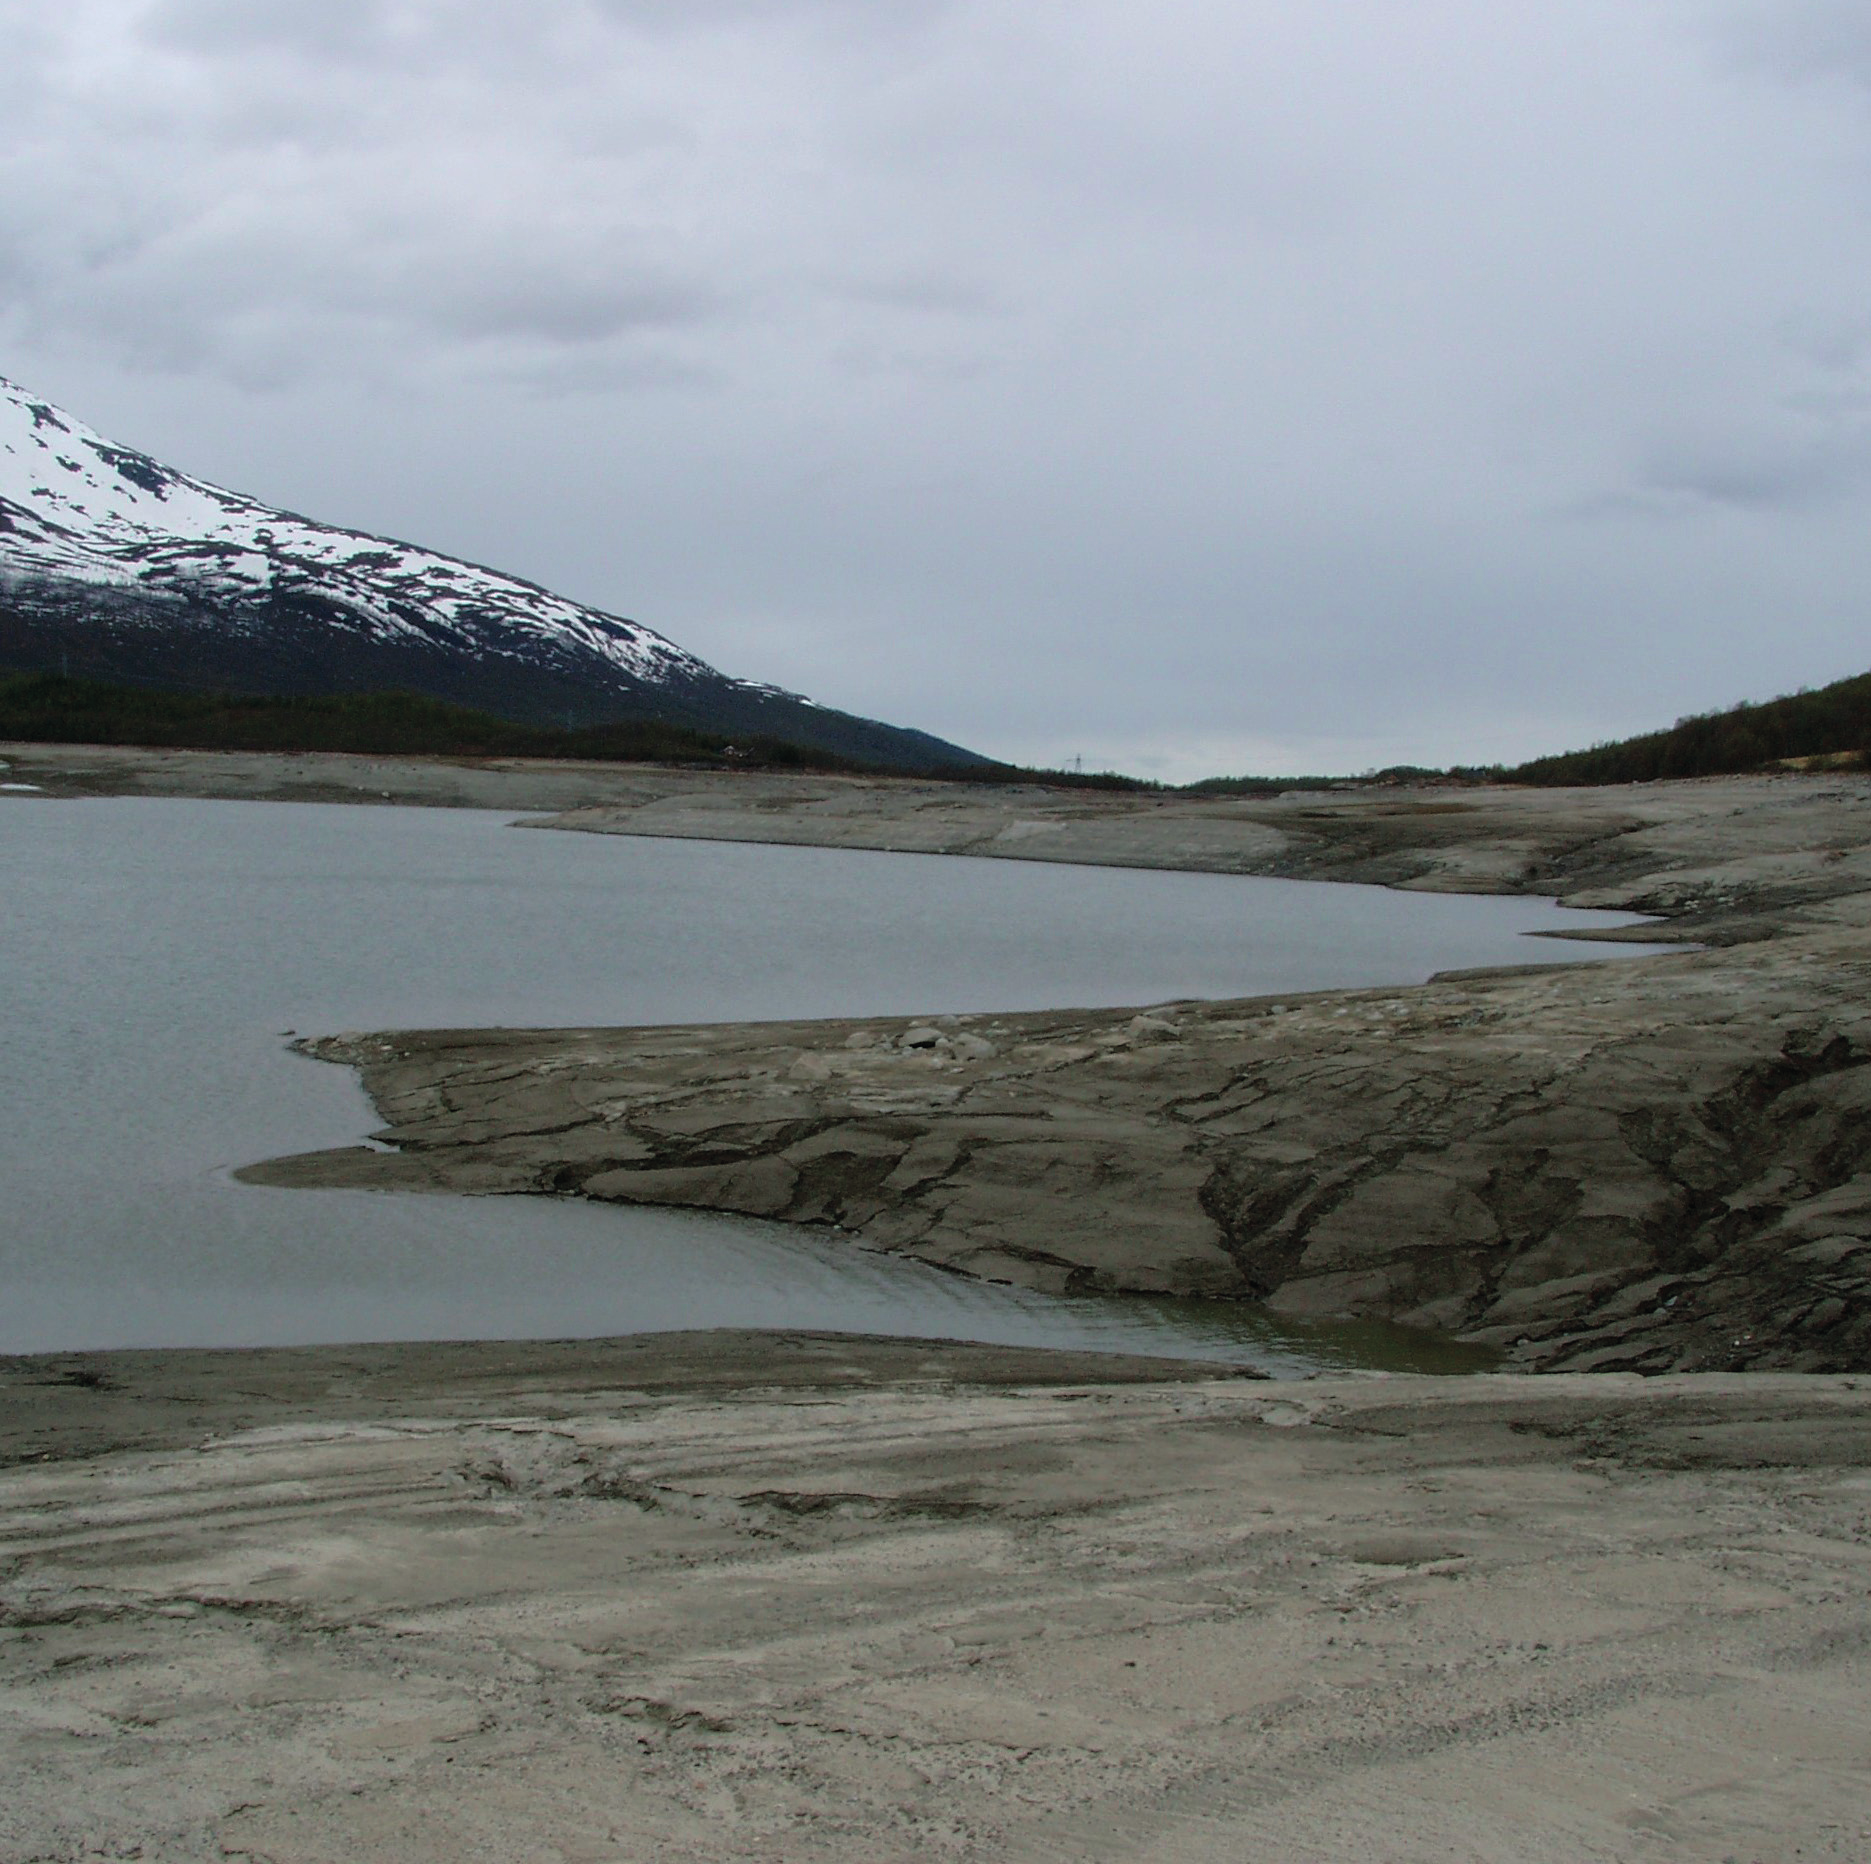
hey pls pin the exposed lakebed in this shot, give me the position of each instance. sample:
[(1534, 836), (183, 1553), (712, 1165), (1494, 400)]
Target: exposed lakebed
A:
[(157, 953)]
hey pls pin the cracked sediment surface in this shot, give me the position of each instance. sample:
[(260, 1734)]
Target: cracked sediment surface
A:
[(1587, 1167), (734, 1597)]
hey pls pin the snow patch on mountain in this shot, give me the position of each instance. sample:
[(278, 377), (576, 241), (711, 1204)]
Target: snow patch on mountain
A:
[(77, 509)]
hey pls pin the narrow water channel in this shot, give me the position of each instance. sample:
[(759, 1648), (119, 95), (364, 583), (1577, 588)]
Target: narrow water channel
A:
[(157, 954)]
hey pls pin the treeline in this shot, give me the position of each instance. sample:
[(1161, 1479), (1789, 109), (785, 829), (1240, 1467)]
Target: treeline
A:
[(1834, 721), (1030, 777), (52, 708), (49, 708), (1274, 786)]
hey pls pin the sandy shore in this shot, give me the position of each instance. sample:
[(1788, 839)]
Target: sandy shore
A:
[(722, 1597)]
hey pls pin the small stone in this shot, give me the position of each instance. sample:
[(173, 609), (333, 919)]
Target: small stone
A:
[(1152, 1029)]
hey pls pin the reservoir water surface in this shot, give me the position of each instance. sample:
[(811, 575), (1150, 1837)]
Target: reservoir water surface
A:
[(157, 954)]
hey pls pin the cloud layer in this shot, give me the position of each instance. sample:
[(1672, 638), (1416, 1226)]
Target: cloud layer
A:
[(1212, 385)]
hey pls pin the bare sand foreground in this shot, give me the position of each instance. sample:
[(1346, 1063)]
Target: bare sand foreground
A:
[(738, 1597), (748, 1597)]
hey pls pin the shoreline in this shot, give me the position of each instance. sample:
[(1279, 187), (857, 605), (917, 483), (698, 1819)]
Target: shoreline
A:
[(1499, 1156), (1738, 856), (1647, 1166)]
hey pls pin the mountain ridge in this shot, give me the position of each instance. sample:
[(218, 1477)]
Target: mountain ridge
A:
[(116, 566)]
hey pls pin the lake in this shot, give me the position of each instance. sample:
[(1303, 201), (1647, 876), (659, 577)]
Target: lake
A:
[(158, 954)]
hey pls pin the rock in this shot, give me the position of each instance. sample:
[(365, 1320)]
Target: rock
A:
[(971, 1048), (1152, 1029)]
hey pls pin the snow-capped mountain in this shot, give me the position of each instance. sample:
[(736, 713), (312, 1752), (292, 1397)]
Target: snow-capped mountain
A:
[(116, 567)]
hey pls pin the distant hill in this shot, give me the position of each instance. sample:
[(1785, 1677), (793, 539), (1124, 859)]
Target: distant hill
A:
[(1832, 723), (114, 567)]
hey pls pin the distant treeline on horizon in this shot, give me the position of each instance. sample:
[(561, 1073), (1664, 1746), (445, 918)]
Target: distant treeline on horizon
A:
[(1831, 724)]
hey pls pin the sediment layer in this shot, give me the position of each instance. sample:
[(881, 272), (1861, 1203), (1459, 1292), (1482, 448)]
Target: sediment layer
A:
[(1649, 1165)]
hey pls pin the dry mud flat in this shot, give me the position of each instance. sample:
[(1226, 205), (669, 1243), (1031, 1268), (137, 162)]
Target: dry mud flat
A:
[(1641, 1167), (732, 1597)]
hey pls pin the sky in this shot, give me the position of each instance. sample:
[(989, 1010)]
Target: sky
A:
[(1213, 386)]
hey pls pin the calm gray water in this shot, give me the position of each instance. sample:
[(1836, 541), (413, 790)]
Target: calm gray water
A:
[(156, 954)]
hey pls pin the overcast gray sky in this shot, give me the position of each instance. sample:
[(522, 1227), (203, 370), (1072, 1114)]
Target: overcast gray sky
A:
[(1208, 385)]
